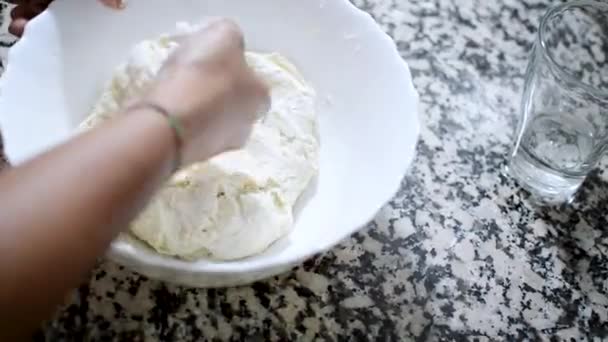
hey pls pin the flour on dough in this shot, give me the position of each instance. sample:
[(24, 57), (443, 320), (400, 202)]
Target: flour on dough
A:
[(238, 203)]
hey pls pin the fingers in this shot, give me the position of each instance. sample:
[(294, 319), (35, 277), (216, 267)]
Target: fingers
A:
[(115, 4), (28, 9), (17, 27), (218, 32), (28, 2), (22, 13), (223, 31), (227, 29)]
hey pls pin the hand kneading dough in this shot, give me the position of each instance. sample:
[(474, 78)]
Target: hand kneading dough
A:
[(238, 203)]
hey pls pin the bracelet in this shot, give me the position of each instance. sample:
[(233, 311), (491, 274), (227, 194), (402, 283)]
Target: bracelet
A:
[(174, 123)]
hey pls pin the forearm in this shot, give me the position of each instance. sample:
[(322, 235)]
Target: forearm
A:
[(60, 211)]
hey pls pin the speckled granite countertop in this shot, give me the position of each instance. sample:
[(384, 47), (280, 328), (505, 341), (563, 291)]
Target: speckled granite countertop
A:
[(459, 254)]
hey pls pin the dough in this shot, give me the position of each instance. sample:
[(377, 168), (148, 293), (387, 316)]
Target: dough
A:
[(238, 203)]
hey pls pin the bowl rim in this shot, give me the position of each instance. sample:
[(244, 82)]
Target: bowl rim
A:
[(165, 263)]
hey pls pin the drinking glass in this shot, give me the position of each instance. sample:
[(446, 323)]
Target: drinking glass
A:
[(563, 129)]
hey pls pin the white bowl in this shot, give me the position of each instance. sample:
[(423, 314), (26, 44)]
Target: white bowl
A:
[(368, 108)]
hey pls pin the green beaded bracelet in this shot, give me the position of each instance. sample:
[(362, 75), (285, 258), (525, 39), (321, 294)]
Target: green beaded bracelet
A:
[(174, 123)]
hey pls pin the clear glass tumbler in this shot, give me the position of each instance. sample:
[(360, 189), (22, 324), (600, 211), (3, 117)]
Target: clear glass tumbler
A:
[(564, 126)]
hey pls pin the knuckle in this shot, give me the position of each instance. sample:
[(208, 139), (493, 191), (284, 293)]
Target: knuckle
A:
[(228, 27), (230, 30)]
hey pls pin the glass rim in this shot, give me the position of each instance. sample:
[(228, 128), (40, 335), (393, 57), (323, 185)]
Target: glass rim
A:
[(558, 70)]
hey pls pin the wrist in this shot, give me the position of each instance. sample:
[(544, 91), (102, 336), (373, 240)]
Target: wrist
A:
[(180, 92), (165, 122)]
